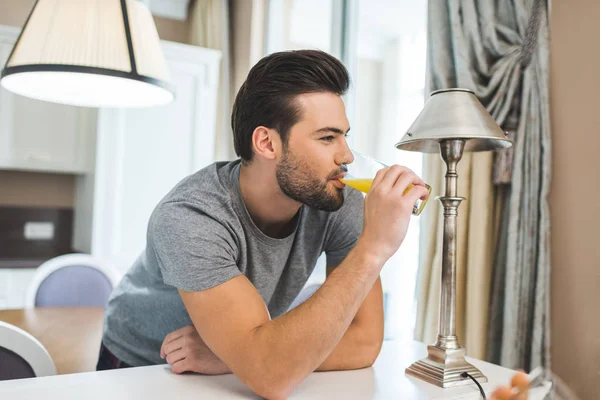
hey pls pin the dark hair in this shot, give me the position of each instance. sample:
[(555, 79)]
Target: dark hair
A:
[(267, 97)]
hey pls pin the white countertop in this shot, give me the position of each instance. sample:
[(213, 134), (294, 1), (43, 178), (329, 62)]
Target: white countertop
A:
[(385, 380)]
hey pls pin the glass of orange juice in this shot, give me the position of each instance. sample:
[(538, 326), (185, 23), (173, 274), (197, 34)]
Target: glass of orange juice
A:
[(362, 171)]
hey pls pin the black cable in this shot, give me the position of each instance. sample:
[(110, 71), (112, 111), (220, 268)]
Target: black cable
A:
[(467, 375)]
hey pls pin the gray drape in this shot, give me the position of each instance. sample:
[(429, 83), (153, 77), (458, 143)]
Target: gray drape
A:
[(499, 49)]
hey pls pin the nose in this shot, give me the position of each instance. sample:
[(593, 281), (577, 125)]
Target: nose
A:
[(345, 156)]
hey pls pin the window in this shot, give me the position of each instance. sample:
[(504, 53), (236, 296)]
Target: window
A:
[(383, 44), (294, 25)]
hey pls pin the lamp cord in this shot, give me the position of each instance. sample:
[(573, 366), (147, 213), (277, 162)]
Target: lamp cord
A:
[(467, 375)]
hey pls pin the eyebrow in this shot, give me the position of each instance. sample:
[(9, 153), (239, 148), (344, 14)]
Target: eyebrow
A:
[(331, 129)]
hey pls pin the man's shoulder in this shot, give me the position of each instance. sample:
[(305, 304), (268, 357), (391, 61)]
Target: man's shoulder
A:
[(204, 194), (211, 185)]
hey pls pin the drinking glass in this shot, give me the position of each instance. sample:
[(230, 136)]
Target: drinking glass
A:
[(362, 171)]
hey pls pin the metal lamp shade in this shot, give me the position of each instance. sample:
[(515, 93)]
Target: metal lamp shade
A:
[(454, 114), (89, 53)]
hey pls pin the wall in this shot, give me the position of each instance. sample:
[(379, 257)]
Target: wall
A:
[(172, 30), (55, 190), (575, 206)]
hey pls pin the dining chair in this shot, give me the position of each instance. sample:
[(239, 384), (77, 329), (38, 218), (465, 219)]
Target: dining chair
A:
[(22, 355), (72, 280)]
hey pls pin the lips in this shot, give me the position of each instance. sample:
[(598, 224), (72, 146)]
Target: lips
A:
[(339, 176), (338, 184), (336, 181)]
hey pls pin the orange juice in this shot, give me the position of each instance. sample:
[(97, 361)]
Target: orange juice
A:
[(364, 185)]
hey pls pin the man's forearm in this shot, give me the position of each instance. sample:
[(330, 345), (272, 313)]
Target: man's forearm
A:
[(357, 349), (362, 342), (297, 343)]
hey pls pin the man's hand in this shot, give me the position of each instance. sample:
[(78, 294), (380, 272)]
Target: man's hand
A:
[(388, 209), (185, 350)]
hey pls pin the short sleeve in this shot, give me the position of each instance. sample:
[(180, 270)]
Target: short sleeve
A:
[(345, 229), (194, 251)]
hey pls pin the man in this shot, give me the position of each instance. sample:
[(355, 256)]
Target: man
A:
[(231, 246)]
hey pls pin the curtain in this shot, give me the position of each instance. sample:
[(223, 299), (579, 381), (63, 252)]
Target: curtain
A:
[(209, 27), (237, 29), (500, 51), (519, 328)]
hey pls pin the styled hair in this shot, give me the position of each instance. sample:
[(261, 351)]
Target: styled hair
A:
[(268, 96)]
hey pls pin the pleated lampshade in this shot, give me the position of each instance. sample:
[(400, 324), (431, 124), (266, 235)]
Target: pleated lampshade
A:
[(95, 53)]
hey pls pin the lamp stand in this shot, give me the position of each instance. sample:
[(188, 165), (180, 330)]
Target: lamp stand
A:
[(446, 358)]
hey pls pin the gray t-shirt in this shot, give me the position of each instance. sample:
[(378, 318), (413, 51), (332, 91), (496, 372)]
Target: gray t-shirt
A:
[(200, 236)]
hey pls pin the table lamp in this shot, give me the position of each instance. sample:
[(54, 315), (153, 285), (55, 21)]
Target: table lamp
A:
[(451, 122), (89, 53)]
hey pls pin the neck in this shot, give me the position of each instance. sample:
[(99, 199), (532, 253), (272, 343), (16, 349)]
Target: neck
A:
[(271, 210)]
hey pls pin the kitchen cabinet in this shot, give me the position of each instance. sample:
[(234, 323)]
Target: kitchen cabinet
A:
[(140, 154), (41, 136)]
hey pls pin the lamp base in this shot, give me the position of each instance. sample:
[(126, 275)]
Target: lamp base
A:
[(443, 368)]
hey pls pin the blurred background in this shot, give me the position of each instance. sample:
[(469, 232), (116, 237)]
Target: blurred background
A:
[(383, 45), (82, 180)]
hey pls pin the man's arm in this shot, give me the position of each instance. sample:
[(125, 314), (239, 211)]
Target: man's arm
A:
[(360, 345), (273, 356), (185, 350)]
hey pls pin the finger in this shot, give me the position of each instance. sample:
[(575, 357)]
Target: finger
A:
[(180, 366), (406, 181), (188, 329), (391, 176), (175, 335), (417, 192), (163, 350), (379, 176), (427, 190), (418, 180), (179, 333), (171, 347), (175, 356)]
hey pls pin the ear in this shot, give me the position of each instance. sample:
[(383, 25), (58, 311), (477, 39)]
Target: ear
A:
[(266, 143)]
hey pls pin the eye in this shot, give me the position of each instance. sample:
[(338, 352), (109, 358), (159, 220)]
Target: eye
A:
[(328, 138)]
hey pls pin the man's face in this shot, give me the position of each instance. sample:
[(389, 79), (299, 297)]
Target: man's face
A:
[(310, 166)]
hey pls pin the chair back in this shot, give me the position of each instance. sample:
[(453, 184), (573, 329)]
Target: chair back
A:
[(22, 355), (72, 280)]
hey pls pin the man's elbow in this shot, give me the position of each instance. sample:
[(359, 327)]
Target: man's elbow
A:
[(272, 393), (374, 353), (270, 381), (371, 352), (270, 389)]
